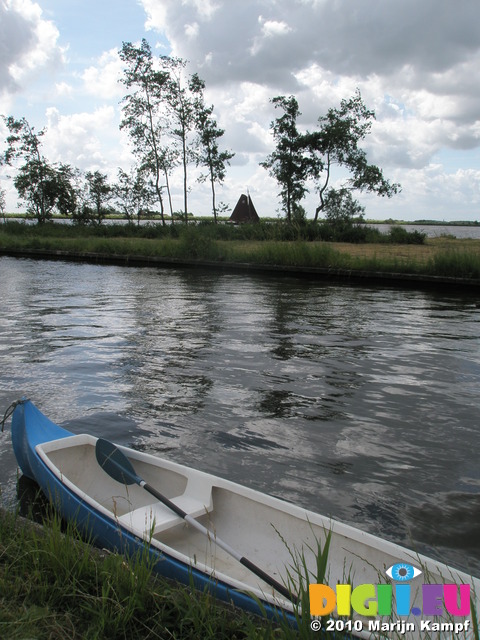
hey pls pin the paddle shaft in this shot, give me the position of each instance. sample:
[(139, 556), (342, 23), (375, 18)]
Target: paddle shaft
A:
[(223, 545)]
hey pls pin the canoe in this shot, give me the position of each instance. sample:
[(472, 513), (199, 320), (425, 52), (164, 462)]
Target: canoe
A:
[(370, 585)]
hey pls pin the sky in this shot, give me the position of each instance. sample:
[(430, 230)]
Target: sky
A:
[(416, 64)]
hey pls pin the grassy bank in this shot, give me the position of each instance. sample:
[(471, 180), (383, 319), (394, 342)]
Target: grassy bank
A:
[(274, 244), (53, 586)]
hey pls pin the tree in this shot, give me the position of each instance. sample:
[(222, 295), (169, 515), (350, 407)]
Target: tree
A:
[(168, 161), (134, 193), (3, 202), (143, 112), (288, 164), (97, 194), (337, 142), (184, 98), (209, 154), (341, 208), (44, 187), (22, 142), (161, 115)]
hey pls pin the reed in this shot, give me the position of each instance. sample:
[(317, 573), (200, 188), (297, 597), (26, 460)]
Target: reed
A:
[(298, 582), (455, 263)]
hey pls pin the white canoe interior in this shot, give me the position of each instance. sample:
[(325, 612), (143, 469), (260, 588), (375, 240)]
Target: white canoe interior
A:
[(264, 529)]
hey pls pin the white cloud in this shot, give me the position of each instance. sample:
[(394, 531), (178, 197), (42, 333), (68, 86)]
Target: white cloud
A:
[(28, 43), (272, 28), (103, 79), (64, 89), (432, 192), (159, 11), (83, 140), (156, 14), (205, 8), (191, 30)]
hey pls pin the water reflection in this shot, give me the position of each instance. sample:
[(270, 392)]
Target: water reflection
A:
[(358, 402)]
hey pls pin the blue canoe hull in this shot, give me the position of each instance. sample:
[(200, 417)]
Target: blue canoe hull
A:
[(30, 427)]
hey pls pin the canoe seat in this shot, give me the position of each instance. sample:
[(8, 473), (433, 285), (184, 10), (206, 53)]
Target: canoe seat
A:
[(156, 517)]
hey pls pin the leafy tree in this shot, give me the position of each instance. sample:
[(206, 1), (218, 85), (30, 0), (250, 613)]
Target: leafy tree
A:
[(3, 202), (341, 208), (23, 141), (288, 164), (46, 188), (143, 111), (184, 98), (161, 115), (299, 157), (337, 142), (134, 193), (97, 194), (209, 154), (67, 188)]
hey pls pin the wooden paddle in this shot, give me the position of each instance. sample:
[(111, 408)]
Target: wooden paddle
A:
[(118, 467)]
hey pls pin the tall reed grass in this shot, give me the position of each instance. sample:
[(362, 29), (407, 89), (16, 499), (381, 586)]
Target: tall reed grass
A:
[(456, 264)]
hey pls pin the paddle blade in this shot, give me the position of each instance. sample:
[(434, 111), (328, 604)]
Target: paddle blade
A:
[(113, 462)]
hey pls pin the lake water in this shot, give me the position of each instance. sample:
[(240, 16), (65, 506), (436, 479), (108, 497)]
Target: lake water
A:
[(435, 231), (358, 402)]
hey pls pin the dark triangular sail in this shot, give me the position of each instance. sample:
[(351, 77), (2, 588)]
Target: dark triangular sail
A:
[(244, 210)]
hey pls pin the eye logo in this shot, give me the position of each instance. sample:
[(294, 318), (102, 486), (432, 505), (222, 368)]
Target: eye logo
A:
[(402, 572)]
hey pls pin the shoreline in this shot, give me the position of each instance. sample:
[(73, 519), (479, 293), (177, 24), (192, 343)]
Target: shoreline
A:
[(208, 218), (326, 273)]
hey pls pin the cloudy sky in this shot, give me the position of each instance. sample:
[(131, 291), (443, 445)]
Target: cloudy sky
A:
[(416, 63)]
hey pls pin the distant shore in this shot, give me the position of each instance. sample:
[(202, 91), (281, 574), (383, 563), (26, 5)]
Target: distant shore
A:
[(388, 221), (435, 223)]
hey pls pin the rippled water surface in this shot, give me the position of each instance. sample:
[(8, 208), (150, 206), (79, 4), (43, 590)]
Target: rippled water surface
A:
[(354, 401)]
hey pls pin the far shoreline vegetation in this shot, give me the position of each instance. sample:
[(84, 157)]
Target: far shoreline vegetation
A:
[(306, 245)]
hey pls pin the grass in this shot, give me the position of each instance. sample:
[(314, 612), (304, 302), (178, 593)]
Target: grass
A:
[(262, 244), (52, 585), (299, 580)]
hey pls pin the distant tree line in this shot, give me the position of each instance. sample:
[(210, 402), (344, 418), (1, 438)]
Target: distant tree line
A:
[(171, 126)]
